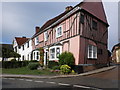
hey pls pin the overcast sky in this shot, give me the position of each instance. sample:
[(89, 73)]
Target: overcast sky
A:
[(20, 18)]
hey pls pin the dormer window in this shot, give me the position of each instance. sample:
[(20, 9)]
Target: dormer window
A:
[(46, 36), (58, 31)]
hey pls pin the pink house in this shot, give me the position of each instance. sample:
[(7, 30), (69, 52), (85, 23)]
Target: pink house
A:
[(81, 30)]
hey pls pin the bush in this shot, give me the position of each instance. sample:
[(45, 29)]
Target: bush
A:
[(33, 66), (56, 68), (13, 60), (65, 69), (66, 58), (51, 64)]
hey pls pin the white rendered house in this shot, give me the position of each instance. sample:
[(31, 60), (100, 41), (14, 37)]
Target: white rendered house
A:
[(23, 46)]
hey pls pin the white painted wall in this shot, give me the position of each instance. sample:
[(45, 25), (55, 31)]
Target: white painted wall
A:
[(26, 52)]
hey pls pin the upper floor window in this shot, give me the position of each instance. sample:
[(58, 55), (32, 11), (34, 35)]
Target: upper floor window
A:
[(46, 36), (36, 40), (23, 47), (94, 24), (59, 31), (92, 52), (28, 44), (82, 18), (15, 49)]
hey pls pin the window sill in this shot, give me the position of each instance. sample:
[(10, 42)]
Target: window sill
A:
[(59, 36)]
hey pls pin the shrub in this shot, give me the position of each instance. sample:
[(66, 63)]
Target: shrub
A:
[(51, 64), (13, 60), (66, 58), (14, 64), (33, 66), (56, 68), (65, 69)]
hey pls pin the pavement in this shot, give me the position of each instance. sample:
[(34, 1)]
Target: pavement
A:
[(57, 76)]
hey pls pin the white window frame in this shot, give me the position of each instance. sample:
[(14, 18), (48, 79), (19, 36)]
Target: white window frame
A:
[(55, 54), (57, 33), (46, 36), (93, 52), (36, 40)]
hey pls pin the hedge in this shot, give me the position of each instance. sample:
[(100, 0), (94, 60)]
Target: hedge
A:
[(15, 64), (51, 64)]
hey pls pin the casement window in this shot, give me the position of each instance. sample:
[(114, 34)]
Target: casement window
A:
[(36, 40), (19, 47), (34, 55), (15, 49), (52, 53), (28, 56), (37, 57), (23, 47), (58, 31), (46, 36), (28, 44), (92, 52), (23, 58), (55, 51), (94, 24), (100, 51), (82, 19)]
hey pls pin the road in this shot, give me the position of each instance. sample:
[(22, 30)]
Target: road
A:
[(107, 79)]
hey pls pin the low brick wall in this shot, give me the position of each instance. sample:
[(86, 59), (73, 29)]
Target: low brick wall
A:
[(87, 67)]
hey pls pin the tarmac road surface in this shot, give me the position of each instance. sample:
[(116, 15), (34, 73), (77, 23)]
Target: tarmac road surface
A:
[(103, 80)]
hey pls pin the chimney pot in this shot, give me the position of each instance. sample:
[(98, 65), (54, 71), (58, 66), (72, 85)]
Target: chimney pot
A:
[(68, 8)]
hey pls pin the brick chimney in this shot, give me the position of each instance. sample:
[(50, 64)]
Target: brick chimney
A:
[(37, 29), (23, 37), (68, 8)]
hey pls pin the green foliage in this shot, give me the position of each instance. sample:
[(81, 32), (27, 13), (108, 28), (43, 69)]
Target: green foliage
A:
[(66, 58), (14, 64), (13, 60), (65, 69), (7, 53), (51, 64), (56, 68), (33, 66)]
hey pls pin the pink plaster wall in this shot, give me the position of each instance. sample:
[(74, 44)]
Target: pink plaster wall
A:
[(74, 48)]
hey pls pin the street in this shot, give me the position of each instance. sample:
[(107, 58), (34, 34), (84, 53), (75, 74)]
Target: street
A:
[(107, 79)]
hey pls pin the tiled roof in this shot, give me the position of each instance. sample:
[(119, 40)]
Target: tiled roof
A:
[(95, 8), (21, 40)]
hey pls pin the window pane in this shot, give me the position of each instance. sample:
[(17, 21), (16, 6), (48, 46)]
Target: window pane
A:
[(94, 52), (90, 51), (82, 18), (94, 24), (52, 53), (57, 52)]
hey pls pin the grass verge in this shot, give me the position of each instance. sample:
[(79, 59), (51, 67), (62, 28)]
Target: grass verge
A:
[(26, 71)]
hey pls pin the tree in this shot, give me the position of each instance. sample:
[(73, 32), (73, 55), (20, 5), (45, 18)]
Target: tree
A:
[(7, 53)]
